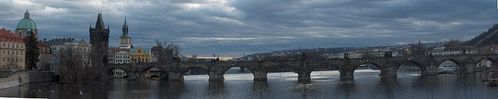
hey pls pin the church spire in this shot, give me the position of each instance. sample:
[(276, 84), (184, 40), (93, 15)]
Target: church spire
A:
[(26, 14), (100, 22), (125, 29)]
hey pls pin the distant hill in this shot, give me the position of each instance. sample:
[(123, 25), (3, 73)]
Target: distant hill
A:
[(485, 39), (330, 51), (298, 51)]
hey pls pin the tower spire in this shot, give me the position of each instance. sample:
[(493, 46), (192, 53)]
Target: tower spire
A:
[(125, 29), (100, 22)]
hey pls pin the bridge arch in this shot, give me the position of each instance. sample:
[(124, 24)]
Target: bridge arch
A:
[(369, 64), (449, 66), (367, 67), (250, 70), (115, 71), (483, 64), (195, 69), (153, 72), (410, 66)]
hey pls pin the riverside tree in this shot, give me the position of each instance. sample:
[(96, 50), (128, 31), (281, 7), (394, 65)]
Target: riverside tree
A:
[(32, 51)]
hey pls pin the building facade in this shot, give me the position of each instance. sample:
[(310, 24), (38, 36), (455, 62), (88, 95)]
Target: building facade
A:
[(139, 55), (63, 46), (154, 54), (45, 56), (120, 56), (12, 51)]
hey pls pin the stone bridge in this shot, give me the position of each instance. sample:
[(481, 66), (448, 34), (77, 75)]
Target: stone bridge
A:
[(427, 64)]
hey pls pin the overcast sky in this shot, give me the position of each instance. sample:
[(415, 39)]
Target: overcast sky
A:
[(233, 27)]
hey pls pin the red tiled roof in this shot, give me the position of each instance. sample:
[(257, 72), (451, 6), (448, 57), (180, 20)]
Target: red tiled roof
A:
[(7, 36)]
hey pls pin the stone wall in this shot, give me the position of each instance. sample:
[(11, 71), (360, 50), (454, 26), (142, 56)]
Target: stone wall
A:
[(19, 78)]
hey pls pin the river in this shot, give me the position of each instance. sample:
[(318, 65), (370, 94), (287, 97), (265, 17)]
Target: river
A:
[(325, 85)]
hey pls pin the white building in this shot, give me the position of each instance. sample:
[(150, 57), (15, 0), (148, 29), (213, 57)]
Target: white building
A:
[(443, 51), (122, 57)]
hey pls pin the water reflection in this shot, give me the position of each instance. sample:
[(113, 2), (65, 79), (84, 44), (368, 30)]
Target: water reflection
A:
[(386, 88), (306, 91), (346, 90), (216, 90), (260, 89), (364, 86), (172, 90)]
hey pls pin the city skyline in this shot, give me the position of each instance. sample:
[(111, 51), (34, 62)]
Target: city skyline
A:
[(235, 27)]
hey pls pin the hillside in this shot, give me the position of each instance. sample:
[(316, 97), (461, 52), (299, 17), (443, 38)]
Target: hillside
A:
[(485, 39)]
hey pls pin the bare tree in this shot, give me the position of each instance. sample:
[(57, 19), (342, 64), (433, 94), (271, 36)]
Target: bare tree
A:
[(166, 52), (71, 66)]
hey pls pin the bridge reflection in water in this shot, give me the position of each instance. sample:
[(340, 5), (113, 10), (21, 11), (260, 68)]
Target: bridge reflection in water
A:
[(326, 84)]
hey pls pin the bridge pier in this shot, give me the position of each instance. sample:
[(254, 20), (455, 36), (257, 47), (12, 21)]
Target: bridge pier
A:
[(164, 76), (216, 77), (388, 72), (468, 68), (175, 76), (429, 71), (346, 74), (260, 75), (304, 77), (133, 76)]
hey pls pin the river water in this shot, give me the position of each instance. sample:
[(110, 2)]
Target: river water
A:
[(325, 85)]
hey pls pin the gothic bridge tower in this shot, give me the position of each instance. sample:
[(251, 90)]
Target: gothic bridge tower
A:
[(99, 38)]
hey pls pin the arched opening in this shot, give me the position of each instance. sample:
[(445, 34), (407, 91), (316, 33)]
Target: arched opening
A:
[(237, 70), (154, 73), (238, 73), (367, 70), (195, 73), (117, 73), (328, 72), (483, 65), (448, 67), (483, 68), (409, 69)]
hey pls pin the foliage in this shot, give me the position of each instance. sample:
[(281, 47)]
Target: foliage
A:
[(32, 51)]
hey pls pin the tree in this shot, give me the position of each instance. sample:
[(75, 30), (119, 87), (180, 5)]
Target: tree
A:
[(74, 67), (68, 66), (166, 52), (453, 43), (32, 51)]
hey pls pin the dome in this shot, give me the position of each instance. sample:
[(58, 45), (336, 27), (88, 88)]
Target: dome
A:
[(26, 23)]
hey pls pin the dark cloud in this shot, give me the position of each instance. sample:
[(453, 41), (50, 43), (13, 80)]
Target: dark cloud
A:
[(233, 27)]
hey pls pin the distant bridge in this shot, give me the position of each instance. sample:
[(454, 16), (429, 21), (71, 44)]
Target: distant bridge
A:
[(428, 65)]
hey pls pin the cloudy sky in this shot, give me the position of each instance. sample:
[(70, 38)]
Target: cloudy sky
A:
[(233, 27)]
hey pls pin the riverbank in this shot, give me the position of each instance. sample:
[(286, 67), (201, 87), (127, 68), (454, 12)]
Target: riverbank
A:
[(24, 77)]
